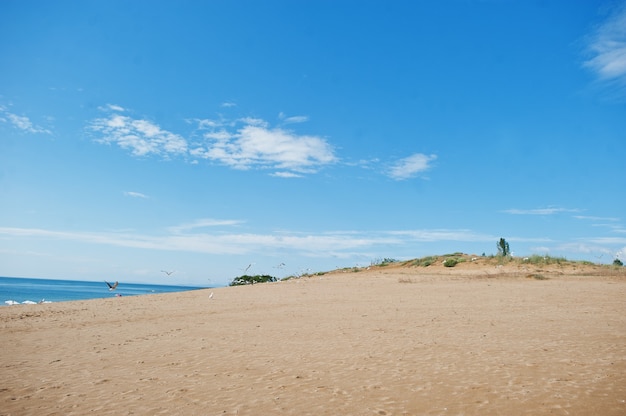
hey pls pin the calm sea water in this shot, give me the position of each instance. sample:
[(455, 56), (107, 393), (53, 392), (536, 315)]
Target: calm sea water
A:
[(26, 290)]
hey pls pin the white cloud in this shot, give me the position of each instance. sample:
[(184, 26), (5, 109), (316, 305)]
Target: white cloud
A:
[(607, 46), (21, 123), (411, 166), (257, 145), (136, 194), (141, 137)]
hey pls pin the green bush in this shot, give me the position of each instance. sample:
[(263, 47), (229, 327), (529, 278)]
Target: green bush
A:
[(250, 280), (451, 262), (617, 262)]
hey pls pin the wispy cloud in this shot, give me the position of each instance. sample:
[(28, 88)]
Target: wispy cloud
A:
[(607, 240), (252, 143), (136, 194), (197, 237), (539, 211), (411, 166), (592, 218), (433, 235), (141, 137), (607, 47), (286, 175), (202, 223), (292, 119), (112, 107), (21, 123)]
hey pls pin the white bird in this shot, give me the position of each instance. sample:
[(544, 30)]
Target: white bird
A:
[(211, 295), (111, 286)]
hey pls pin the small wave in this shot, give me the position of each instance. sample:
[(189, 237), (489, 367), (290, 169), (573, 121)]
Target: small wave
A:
[(26, 302)]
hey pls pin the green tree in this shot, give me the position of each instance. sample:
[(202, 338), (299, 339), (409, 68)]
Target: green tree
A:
[(503, 248)]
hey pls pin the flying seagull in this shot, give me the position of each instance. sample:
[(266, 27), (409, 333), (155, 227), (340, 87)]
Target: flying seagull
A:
[(249, 265), (111, 286), (168, 273)]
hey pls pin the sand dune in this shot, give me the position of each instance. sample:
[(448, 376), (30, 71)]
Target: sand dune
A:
[(476, 340)]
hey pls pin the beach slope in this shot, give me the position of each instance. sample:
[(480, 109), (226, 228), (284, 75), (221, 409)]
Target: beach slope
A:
[(397, 340)]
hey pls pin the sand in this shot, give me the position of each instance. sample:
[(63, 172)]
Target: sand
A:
[(384, 341)]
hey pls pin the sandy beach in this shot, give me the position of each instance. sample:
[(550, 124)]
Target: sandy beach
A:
[(396, 340)]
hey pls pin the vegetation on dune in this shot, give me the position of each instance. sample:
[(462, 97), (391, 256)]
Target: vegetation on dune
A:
[(450, 262), (503, 258), (384, 262), (424, 261), (544, 260), (250, 280)]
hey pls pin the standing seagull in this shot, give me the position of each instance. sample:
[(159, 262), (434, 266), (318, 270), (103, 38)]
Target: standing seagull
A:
[(111, 286), (168, 273)]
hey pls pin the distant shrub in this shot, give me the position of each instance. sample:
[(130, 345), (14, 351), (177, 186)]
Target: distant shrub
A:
[(450, 262), (617, 262), (383, 262), (425, 261), (250, 280)]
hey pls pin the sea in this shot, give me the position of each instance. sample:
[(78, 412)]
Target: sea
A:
[(19, 290)]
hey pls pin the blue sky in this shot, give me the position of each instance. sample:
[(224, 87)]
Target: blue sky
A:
[(203, 137)]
